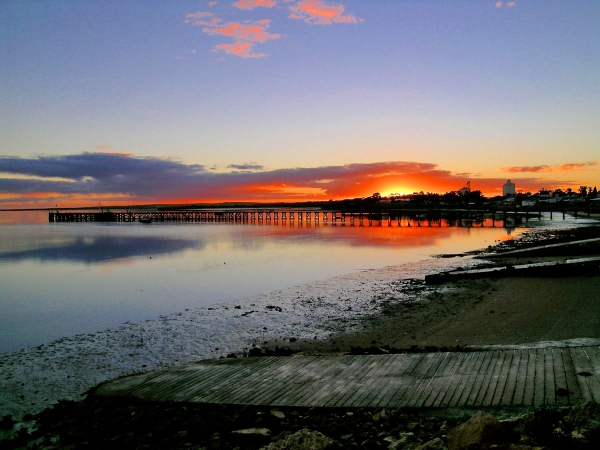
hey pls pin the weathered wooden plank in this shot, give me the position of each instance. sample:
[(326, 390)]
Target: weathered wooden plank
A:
[(594, 380), (340, 387), (222, 383), (297, 378), (521, 382), (321, 387), (401, 396), (422, 387), (396, 378), (582, 365), (363, 384), (163, 383), (549, 382), (479, 379), (374, 385), (123, 386), (561, 386), (230, 391), (494, 379), (444, 379), (375, 392), (401, 378), (571, 381), (198, 386), (510, 383), (458, 381), (491, 378), (354, 383), (503, 376), (529, 393), (539, 395), (466, 388), (487, 379)]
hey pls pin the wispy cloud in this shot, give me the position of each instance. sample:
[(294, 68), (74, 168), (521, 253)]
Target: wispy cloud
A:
[(82, 178), (500, 4), (246, 166), (103, 147), (251, 4), (320, 13), (566, 167)]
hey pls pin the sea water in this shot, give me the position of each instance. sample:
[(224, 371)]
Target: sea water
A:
[(63, 279)]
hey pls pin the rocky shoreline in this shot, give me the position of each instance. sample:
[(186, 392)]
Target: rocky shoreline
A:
[(96, 423)]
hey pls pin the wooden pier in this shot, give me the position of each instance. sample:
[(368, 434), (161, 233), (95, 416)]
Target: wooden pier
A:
[(392, 217), (510, 377)]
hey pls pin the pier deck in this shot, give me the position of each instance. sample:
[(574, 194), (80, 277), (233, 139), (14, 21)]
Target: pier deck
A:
[(517, 377)]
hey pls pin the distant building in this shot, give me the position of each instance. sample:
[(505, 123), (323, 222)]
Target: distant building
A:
[(509, 188), (466, 190)]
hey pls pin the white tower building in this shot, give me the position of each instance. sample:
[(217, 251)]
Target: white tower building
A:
[(509, 188)]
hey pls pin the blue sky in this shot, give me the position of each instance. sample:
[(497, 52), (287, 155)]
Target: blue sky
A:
[(483, 90)]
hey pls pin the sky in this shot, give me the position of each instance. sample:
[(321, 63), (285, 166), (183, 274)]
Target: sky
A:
[(149, 101)]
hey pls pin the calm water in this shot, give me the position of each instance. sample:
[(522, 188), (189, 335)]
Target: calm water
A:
[(63, 279)]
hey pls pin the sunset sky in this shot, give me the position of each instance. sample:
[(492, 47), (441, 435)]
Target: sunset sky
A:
[(128, 102)]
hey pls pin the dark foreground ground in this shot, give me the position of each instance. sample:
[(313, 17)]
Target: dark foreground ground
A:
[(105, 424), (480, 312)]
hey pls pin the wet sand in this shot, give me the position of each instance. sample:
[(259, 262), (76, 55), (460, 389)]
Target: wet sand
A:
[(488, 312)]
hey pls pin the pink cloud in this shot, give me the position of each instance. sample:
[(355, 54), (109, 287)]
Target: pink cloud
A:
[(194, 17), (510, 4), (566, 167), (317, 12), (103, 147), (256, 32), (241, 49), (251, 4), (211, 4)]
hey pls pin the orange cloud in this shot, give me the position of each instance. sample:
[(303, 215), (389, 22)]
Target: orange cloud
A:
[(499, 4), (103, 147), (241, 49), (566, 167), (256, 32), (317, 12), (251, 4)]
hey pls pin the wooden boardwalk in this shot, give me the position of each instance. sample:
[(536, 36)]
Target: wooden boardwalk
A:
[(523, 377)]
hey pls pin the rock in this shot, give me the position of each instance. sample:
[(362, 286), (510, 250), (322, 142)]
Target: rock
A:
[(412, 426), (277, 414), (434, 444), (482, 428), (253, 432), (405, 442), (304, 439), (584, 421)]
